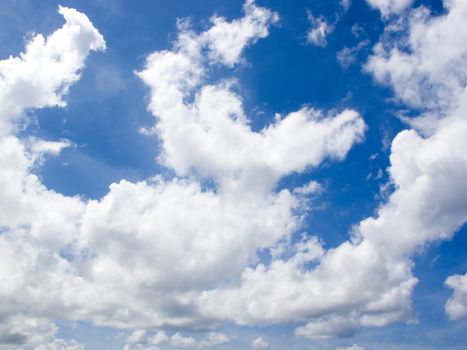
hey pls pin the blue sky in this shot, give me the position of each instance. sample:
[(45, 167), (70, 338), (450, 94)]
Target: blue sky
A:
[(289, 175)]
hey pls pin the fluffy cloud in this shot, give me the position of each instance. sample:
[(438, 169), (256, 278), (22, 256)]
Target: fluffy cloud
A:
[(141, 340), (353, 347), (169, 251), (331, 327), (456, 306), (43, 73), (217, 232), (345, 4), (259, 343), (116, 261), (38, 333), (60, 344), (37, 224), (181, 341), (390, 7), (320, 29), (227, 40), (427, 68), (214, 339), (21, 330), (369, 276)]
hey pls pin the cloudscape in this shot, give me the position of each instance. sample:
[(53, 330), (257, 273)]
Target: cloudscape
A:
[(233, 174)]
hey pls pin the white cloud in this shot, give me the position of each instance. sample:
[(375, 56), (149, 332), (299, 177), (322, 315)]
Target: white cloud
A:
[(140, 347), (319, 31), (390, 7), (21, 330), (456, 306), (181, 341), (141, 340), (429, 73), (127, 245), (345, 4), (259, 343), (210, 340), (427, 68), (312, 187), (370, 276), (348, 55), (158, 338), (137, 336), (216, 140), (217, 232), (43, 73), (39, 77), (227, 40), (353, 347), (60, 344), (37, 223), (214, 339), (331, 327)]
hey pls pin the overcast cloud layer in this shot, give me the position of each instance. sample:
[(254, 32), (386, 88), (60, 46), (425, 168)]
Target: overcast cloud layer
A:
[(182, 252)]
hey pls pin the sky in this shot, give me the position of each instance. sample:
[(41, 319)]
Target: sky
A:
[(233, 174)]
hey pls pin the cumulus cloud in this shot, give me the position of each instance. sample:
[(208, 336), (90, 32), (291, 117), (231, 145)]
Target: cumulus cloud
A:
[(427, 70), (67, 257), (137, 336), (353, 347), (60, 344), (21, 330), (390, 7), (345, 4), (218, 232), (179, 340), (42, 74), (158, 338), (456, 306), (169, 251), (227, 40), (319, 30), (427, 67), (331, 327), (370, 276), (36, 223), (214, 339), (142, 340), (259, 343)]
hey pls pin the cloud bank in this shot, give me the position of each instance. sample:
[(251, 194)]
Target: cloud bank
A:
[(166, 252)]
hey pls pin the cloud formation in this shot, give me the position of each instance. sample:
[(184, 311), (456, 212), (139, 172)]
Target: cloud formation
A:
[(259, 343), (141, 340), (390, 7), (368, 280), (320, 29), (456, 306), (427, 70), (113, 261), (167, 251), (427, 66)]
